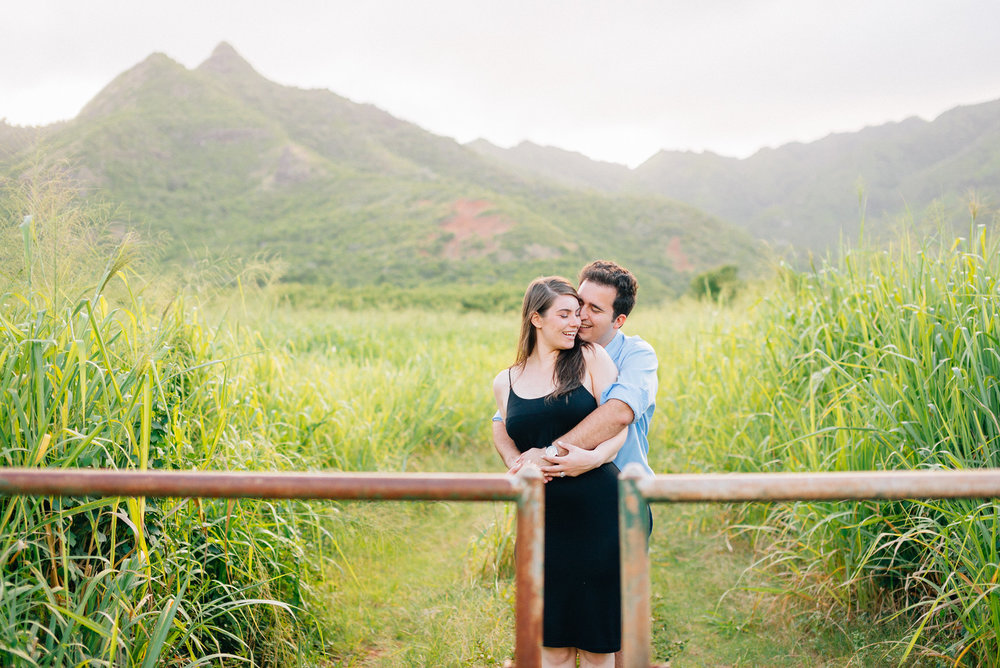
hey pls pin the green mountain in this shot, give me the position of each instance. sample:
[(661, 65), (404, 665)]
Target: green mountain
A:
[(809, 195), (219, 160)]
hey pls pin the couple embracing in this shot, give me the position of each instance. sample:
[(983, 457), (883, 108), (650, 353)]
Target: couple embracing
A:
[(577, 403)]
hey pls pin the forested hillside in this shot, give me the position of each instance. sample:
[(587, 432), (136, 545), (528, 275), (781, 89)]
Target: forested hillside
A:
[(220, 162), (808, 195)]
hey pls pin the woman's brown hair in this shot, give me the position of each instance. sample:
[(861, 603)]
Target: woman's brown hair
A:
[(538, 298)]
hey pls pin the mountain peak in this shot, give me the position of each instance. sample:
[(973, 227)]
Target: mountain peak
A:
[(123, 89), (226, 61)]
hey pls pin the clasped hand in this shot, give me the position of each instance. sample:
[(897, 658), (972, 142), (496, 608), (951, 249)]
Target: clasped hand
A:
[(571, 461)]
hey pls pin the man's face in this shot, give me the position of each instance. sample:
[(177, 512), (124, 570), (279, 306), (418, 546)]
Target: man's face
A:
[(598, 322)]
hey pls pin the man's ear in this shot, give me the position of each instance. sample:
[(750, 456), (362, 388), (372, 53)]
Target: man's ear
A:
[(619, 321)]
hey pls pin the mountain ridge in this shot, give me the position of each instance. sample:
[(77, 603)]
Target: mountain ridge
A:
[(806, 195), (220, 158)]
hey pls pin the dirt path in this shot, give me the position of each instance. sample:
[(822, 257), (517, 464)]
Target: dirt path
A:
[(401, 594)]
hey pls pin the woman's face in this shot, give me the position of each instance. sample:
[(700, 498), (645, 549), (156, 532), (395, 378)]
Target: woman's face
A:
[(559, 324)]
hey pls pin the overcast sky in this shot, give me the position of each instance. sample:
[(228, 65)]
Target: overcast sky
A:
[(617, 80)]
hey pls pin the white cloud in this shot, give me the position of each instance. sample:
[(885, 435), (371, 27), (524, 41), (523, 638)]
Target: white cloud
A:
[(617, 80)]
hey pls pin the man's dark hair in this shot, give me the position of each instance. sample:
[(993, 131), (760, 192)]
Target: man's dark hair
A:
[(613, 275)]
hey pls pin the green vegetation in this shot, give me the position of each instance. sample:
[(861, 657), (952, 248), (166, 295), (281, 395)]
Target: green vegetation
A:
[(219, 163), (803, 197), (95, 373), (721, 283), (885, 360), (100, 368)]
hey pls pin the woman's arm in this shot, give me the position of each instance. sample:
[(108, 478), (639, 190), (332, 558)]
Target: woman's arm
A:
[(505, 447), (501, 440)]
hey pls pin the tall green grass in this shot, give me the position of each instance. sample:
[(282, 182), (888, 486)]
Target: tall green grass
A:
[(93, 372), (103, 366), (885, 359), (370, 389)]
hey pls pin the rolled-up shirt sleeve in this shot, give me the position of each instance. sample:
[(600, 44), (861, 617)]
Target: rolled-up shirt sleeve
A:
[(637, 383)]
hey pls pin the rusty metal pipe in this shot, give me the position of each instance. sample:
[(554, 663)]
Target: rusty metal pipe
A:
[(251, 484), (636, 611), (841, 485), (529, 557), (526, 488), (744, 487)]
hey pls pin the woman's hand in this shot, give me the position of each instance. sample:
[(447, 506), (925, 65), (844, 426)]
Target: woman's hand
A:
[(572, 461), (533, 457)]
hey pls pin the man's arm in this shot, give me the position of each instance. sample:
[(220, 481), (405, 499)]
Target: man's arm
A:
[(630, 396), (579, 456), (601, 425)]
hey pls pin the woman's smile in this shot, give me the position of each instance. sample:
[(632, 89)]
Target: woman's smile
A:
[(560, 323)]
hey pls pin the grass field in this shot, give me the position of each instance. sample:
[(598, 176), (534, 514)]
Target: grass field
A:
[(886, 360), (403, 580)]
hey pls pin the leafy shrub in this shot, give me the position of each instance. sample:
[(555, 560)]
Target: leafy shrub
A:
[(718, 284)]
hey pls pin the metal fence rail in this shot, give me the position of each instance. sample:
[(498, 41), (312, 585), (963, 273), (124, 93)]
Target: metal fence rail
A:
[(526, 488), (635, 488)]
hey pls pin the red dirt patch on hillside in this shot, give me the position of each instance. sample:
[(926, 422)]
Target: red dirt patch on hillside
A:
[(676, 255), (473, 233)]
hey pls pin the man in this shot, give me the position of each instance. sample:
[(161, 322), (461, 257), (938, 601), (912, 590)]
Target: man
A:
[(608, 292)]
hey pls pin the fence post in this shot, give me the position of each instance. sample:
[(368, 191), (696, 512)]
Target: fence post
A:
[(529, 559), (636, 631), (527, 488)]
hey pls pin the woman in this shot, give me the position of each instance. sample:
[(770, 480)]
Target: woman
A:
[(552, 386)]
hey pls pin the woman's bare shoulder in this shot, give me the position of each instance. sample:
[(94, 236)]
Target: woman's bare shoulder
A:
[(501, 388), (501, 383), (502, 380), (597, 355), (600, 369)]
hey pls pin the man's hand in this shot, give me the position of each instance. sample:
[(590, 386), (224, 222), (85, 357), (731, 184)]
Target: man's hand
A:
[(572, 461)]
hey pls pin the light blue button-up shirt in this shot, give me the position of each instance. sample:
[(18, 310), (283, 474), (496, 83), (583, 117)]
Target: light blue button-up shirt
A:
[(636, 386)]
